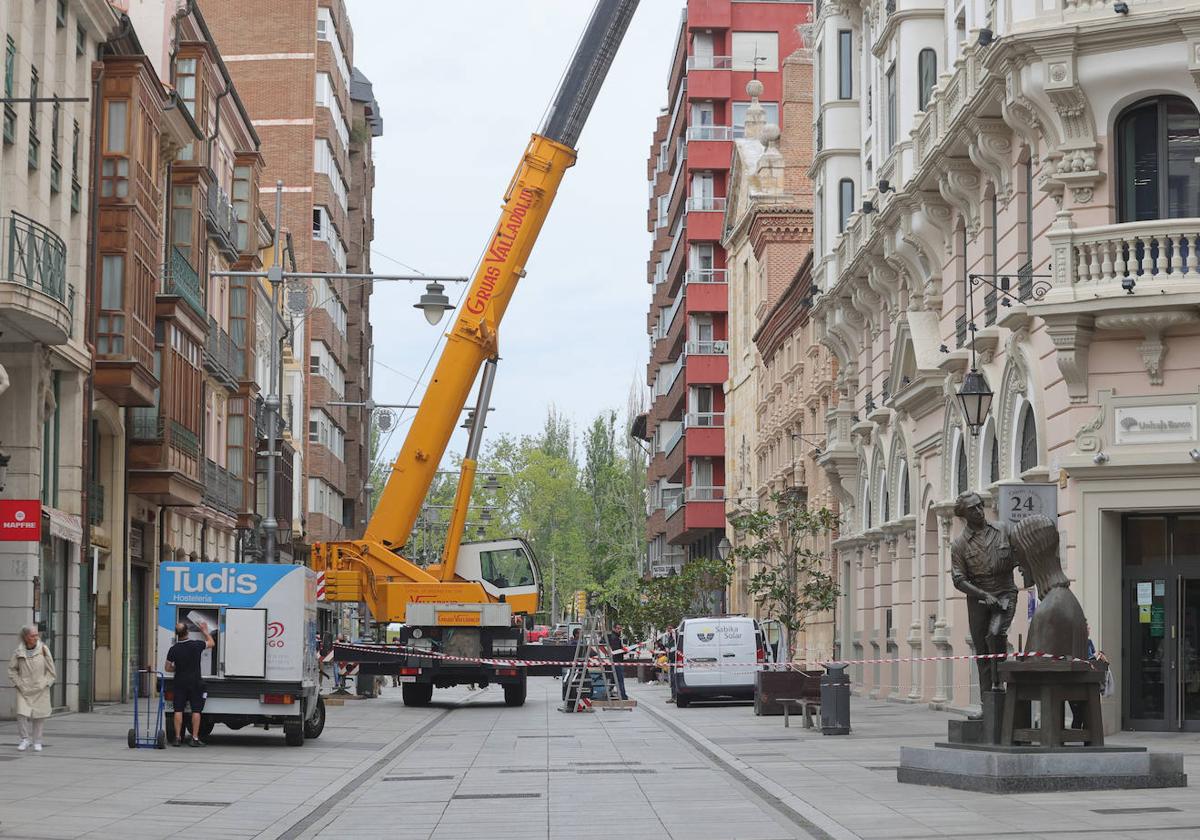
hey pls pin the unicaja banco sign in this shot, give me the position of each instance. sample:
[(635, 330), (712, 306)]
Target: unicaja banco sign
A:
[(1155, 424)]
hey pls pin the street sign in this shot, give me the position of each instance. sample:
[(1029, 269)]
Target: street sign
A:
[(1019, 500), (20, 520)]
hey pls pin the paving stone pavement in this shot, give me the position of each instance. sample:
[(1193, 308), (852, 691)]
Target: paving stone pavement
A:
[(469, 767)]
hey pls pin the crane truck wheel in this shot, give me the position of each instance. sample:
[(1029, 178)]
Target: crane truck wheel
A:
[(293, 734), (416, 694), (514, 695)]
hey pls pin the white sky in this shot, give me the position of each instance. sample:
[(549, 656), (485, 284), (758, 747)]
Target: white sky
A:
[(461, 85)]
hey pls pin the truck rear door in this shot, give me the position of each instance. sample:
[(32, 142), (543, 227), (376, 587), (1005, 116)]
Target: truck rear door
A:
[(701, 653)]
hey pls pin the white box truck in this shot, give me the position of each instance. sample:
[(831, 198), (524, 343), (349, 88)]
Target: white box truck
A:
[(263, 669)]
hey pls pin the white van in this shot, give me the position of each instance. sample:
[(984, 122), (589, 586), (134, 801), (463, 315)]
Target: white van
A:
[(716, 657)]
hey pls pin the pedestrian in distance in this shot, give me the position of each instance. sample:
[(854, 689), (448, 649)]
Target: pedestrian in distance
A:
[(31, 671), (183, 660), (615, 644)]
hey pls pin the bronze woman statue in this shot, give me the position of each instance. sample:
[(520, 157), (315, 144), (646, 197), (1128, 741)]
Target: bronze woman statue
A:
[(1059, 626)]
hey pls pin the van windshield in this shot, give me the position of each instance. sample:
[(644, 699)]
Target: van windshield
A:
[(506, 567)]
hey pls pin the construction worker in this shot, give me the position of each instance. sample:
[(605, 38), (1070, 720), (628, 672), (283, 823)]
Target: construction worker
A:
[(615, 643)]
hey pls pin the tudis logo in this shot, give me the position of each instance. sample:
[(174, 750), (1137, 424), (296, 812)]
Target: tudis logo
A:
[(224, 582)]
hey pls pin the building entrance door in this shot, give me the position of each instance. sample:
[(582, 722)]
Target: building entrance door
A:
[(1161, 622)]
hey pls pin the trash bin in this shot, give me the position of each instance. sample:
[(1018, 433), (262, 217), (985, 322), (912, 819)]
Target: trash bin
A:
[(835, 700)]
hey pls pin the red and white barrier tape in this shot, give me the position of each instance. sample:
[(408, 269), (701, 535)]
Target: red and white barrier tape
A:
[(410, 651)]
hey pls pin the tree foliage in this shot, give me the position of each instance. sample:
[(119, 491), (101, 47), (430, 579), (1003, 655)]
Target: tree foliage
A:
[(578, 499), (662, 602), (791, 580)]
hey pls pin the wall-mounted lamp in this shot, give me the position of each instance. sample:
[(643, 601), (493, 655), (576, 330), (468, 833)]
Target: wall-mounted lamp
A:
[(885, 186), (1121, 8), (868, 207), (986, 36), (1194, 454), (1128, 284), (1100, 458)]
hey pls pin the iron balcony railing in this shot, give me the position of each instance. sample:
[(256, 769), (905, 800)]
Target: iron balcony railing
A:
[(704, 419), (705, 275), (147, 425), (221, 354), (32, 255), (95, 502), (709, 132), (222, 489), (181, 280)]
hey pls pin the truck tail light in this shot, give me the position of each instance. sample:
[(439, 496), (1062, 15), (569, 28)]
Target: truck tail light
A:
[(678, 658), (507, 672), (278, 699), (409, 672), (761, 654)]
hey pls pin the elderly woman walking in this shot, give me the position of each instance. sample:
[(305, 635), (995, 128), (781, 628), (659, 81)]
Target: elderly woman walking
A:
[(31, 671)]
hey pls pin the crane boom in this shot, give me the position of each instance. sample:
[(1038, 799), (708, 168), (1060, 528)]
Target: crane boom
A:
[(388, 580)]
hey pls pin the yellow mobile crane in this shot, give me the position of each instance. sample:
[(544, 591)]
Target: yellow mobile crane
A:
[(463, 605)]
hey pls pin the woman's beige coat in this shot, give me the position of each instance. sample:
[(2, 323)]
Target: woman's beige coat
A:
[(32, 676)]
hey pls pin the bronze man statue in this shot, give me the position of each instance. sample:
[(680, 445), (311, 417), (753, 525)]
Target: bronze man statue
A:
[(981, 565)]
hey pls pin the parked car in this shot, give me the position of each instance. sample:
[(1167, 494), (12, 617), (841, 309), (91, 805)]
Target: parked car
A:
[(563, 631), (716, 657), (537, 633)]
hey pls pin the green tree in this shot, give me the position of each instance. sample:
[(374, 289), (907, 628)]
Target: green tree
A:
[(791, 580), (662, 602)]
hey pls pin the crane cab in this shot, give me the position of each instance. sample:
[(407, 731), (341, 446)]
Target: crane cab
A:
[(503, 567)]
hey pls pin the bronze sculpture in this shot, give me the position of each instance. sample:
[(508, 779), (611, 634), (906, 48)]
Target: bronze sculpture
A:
[(1059, 626), (981, 566)]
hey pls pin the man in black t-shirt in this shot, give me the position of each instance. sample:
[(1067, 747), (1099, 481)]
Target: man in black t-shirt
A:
[(183, 660)]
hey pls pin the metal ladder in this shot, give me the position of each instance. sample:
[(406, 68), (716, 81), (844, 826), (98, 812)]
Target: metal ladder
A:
[(592, 654)]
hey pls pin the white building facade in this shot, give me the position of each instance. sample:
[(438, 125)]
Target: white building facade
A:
[(1013, 188)]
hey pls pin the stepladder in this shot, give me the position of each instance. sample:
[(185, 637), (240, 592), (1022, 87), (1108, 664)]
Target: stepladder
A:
[(591, 679)]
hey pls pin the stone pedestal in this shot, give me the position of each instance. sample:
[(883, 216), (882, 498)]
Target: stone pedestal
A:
[(986, 730), (996, 769)]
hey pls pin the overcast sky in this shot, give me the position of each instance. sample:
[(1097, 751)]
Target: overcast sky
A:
[(461, 85)]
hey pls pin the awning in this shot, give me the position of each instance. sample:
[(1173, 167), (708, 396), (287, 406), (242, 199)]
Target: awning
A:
[(65, 526)]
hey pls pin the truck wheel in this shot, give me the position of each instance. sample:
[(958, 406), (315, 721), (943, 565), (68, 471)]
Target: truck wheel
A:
[(514, 695), (416, 694), (682, 700), (293, 734), (132, 739), (206, 728), (169, 727), (315, 725)]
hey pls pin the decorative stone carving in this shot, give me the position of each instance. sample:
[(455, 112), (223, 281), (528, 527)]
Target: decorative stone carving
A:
[(1072, 338), (1088, 439), (990, 149), (1152, 325), (959, 183)]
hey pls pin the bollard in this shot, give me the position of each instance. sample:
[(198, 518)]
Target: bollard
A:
[(835, 700)]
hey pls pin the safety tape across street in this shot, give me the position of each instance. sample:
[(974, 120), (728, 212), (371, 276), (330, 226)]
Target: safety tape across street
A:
[(422, 653)]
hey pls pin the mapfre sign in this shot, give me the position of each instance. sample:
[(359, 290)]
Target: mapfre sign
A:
[(20, 520)]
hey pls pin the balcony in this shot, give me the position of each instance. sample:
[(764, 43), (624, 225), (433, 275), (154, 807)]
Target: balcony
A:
[(700, 511), (704, 133), (705, 420), (709, 62), (1133, 277), (180, 280), (164, 459), (705, 275), (707, 348), (706, 204), (222, 357), (222, 221), (36, 303), (222, 489)]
